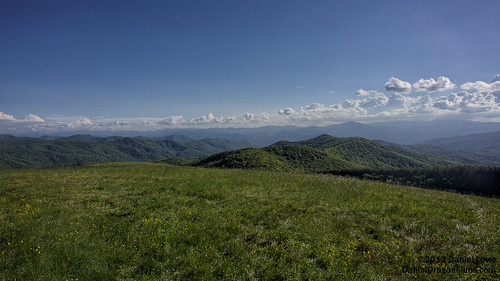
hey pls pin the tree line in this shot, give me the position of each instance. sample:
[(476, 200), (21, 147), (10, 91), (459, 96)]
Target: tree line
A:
[(479, 180)]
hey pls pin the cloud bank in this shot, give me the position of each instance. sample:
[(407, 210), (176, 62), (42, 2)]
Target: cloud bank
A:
[(474, 101)]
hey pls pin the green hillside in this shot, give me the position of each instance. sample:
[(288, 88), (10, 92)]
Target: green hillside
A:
[(81, 149), (324, 153), (140, 221), (284, 158)]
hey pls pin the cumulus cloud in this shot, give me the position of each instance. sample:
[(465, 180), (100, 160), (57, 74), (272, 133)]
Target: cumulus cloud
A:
[(373, 103), (171, 120), (482, 86), (6, 117), (33, 118), (207, 119), (29, 118), (468, 102), (59, 125), (362, 93), (120, 123), (481, 101), (286, 111), (477, 101), (82, 122), (398, 86), (398, 106), (431, 86), (248, 116)]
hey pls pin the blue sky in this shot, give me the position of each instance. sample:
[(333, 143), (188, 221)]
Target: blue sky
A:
[(153, 64)]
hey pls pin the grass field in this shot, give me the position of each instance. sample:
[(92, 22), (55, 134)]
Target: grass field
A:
[(143, 221)]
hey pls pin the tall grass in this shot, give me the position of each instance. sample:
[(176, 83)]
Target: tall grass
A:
[(139, 221)]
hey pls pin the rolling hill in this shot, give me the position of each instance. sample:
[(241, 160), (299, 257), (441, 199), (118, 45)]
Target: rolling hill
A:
[(80, 149), (323, 153)]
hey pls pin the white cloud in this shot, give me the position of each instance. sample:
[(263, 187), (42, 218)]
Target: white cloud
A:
[(6, 117), (362, 92), (497, 78), (315, 106), (373, 101), (468, 102), (82, 122), (66, 124), (398, 86), (380, 107), (482, 86), (171, 120), (286, 111), (207, 119), (431, 86), (29, 118), (479, 101), (33, 118), (120, 123), (248, 116)]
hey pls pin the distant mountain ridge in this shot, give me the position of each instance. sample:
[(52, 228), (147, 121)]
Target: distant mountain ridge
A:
[(324, 153), (477, 149), (474, 149), (484, 142), (80, 149), (401, 132)]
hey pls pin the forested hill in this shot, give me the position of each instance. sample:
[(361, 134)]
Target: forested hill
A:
[(324, 153), (482, 142), (16, 152), (477, 149)]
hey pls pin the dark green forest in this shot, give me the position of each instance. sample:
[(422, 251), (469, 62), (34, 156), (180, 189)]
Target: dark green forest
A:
[(85, 149), (479, 180)]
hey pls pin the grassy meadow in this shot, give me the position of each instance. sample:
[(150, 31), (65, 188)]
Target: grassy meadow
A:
[(145, 221)]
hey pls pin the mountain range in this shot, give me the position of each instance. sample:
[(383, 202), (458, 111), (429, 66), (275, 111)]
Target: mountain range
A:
[(401, 132), (474, 149)]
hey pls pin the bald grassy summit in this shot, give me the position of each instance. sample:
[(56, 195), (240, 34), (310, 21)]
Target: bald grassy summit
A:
[(144, 221)]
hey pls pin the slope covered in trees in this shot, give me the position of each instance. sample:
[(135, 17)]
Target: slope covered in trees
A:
[(80, 149), (477, 149), (323, 153), (464, 179)]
